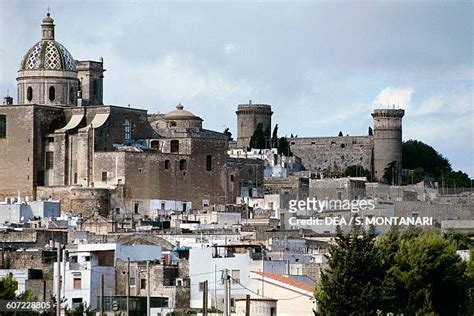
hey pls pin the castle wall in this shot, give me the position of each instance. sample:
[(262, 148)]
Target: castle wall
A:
[(328, 154)]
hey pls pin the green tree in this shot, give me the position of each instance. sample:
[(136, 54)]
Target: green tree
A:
[(275, 137), (418, 154), (356, 171), (414, 176), (284, 147), (351, 283), (455, 179), (8, 287), (371, 132), (390, 173), (260, 138), (340, 134), (428, 277)]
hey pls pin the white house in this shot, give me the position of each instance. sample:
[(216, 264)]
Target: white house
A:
[(294, 296), (85, 264), (210, 263)]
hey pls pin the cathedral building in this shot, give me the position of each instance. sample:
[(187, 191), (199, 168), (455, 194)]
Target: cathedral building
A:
[(61, 142)]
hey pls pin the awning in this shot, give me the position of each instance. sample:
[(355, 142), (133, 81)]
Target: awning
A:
[(99, 119), (73, 122)]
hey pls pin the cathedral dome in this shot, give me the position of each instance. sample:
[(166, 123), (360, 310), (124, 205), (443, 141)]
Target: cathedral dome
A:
[(181, 114), (48, 54)]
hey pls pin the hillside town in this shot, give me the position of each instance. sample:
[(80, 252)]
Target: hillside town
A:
[(111, 210)]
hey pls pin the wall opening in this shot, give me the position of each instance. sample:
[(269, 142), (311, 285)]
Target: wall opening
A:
[(52, 93), (29, 93)]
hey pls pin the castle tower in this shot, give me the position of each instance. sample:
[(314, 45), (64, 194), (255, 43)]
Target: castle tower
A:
[(387, 142), (47, 73), (248, 117)]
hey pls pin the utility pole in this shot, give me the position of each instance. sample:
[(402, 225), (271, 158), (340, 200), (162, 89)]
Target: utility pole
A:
[(226, 294), (247, 305), (148, 288), (128, 286), (204, 298), (102, 295), (58, 280)]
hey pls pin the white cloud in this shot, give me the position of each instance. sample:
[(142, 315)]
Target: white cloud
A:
[(456, 102), (389, 96)]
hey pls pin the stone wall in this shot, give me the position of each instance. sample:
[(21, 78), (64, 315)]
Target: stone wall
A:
[(78, 200), (337, 189), (439, 212), (328, 154), (31, 238), (22, 162)]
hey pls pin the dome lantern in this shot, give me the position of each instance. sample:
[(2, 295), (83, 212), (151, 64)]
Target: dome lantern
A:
[(47, 28)]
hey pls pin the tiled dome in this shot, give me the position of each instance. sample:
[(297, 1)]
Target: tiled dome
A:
[(48, 55)]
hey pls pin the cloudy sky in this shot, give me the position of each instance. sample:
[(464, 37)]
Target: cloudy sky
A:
[(323, 66)]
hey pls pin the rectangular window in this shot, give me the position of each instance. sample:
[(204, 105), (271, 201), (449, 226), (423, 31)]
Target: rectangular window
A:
[(167, 164), (183, 164), (209, 163), (49, 160), (3, 126), (77, 284), (132, 281), (76, 301), (142, 284), (75, 177), (174, 146), (104, 176)]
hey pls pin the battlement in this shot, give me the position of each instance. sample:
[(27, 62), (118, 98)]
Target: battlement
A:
[(387, 113)]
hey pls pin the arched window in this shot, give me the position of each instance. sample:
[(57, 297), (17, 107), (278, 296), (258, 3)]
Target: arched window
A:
[(71, 95), (29, 94), (52, 93), (127, 129)]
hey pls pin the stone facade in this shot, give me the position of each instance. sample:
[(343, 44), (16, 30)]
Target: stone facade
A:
[(164, 279)]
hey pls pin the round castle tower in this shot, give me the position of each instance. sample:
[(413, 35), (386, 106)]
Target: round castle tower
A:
[(47, 73), (387, 142), (248, 117)]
